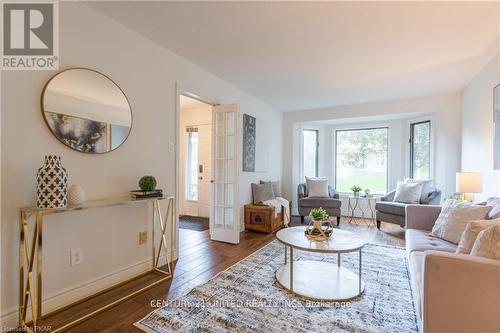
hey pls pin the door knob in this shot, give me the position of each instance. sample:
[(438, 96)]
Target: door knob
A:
[(200, 178)]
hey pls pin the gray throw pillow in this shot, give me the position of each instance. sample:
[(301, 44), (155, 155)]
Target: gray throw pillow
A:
[(276, 187), (427, 188), (262, 192)]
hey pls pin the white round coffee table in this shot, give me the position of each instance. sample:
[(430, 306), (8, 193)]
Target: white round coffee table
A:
[(318, 279)]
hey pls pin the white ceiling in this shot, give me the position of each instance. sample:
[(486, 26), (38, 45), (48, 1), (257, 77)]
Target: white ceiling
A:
[(190, 103), (305, 55)]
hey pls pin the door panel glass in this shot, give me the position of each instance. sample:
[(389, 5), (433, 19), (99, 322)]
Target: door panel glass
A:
[(219, 195), (229, 195), (219, 170), (219, 216), (220, 147), (192, 167), (229, 171), (229, 217), (220, 127), (230, 147), (230, 123)]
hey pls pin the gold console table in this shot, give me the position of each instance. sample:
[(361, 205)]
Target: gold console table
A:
[(30, 250)]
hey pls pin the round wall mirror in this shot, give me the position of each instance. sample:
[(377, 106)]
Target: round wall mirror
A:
[(86, 111)]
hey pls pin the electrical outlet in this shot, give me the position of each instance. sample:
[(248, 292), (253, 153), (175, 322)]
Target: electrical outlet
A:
[(76, 256), (143, 237), (171, 147)]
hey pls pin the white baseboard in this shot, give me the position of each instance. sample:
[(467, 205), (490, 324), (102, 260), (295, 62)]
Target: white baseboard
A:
[(62, 298)]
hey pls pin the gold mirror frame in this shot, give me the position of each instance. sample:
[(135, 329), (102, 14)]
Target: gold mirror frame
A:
[(109, 147)]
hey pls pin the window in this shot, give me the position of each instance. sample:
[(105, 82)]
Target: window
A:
[(361, 159), (310, 145), (420, 150), (192, 165)]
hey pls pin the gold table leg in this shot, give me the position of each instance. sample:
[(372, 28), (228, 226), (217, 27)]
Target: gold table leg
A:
[(27, 288), (163, 241)]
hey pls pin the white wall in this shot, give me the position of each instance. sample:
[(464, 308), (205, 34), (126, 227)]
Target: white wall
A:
[(147, 74), (445, 113), (477, 127)]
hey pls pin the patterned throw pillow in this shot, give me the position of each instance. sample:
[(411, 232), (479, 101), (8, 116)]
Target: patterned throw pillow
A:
[(455, 216), (471, 232), (487, 243), (262, 192), (317, 187), (408, 192)]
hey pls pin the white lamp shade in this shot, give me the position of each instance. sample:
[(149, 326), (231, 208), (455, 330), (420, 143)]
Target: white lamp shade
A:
[(469, 182)]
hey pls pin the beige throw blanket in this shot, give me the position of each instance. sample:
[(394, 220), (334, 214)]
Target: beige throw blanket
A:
[(278, 203)]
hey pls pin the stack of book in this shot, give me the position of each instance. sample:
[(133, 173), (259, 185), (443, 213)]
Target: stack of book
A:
[(139, 194)]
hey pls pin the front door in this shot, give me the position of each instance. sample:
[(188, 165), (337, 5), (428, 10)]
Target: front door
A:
[(204, 169)]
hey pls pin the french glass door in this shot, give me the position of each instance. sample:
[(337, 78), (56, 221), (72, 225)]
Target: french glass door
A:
[(224, 212)]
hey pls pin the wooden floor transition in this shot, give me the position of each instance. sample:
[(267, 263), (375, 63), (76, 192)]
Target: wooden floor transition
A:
[(199, 260)]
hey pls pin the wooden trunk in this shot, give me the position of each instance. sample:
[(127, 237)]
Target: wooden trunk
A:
[(262, 218)]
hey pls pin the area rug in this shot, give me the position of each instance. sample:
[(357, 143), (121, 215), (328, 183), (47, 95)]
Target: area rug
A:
[(193, 223), (247, 298)]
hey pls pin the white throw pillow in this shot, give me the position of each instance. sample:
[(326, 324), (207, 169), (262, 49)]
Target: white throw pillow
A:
[(317, 187), (408, 192), (487, 243), (427, 187), (471, 232), (454, 217)]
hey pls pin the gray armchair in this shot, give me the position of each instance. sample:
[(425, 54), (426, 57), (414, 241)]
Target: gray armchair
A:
[(331, 205), (387, 210)]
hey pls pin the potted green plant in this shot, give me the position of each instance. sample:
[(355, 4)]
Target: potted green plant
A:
[(320, 228), (318, 214), (356, 189), (147, 183)]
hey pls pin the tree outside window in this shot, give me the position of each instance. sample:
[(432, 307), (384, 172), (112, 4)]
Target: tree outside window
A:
[(361, 159)]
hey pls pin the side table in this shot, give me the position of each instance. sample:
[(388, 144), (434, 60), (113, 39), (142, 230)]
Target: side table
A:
[(367, 211)]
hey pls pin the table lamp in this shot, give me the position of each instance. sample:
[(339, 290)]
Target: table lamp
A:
[(469, 183)]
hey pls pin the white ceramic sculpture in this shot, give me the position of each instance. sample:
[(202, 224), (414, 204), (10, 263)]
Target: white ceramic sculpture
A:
[(76, 195)]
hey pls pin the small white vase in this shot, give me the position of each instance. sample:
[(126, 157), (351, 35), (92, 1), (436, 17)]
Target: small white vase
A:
[(76, 195)]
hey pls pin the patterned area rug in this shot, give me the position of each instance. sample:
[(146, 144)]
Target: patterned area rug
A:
[(247, 298)]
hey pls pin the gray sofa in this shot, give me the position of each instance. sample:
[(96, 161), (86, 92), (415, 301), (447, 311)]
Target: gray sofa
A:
[(387, 210), (305, 204)]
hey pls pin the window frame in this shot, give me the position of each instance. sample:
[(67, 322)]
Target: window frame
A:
[(317, 131), (188, 173), (412, 124), (348, 129)]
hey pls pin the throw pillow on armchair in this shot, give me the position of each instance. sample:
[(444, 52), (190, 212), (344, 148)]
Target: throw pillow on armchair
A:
[(317, 187)]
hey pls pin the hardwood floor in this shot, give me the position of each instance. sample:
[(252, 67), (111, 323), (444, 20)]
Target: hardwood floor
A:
[(199, 260)]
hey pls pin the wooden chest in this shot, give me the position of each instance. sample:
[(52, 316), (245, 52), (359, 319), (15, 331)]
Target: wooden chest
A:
[(262, 218)]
